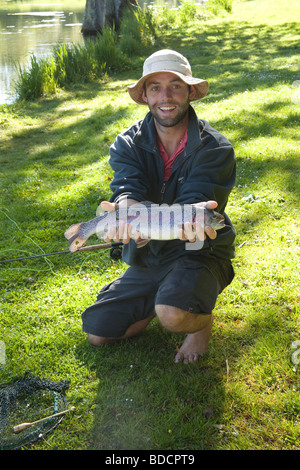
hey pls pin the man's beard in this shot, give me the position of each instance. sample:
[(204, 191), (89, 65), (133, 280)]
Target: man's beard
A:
[(170, 121)]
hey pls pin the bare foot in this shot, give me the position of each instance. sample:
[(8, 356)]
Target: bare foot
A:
[(194, 346)]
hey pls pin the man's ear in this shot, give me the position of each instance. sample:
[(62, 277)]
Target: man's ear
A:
[(144, 97), (192, 92)]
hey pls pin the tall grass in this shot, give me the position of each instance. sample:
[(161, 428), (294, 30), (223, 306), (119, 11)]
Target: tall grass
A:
[(138, 31), (38, 78), (82, 63)]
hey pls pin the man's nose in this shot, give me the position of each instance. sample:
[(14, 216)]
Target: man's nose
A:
[(166, 93)]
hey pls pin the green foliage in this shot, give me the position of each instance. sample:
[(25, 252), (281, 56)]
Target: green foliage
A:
[(138, 31), (187, 12), (106, 52), (215, 6), (168, 18), (32, 82), (130, 34), (73, 64)]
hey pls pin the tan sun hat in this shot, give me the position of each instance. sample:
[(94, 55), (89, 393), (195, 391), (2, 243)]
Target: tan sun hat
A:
[(167, 60)]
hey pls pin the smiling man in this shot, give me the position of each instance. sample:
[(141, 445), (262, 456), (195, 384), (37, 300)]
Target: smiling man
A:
[(168, 100), (169, 157)]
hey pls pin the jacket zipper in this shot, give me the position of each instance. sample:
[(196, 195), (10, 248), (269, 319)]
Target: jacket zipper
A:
[(162, 192)]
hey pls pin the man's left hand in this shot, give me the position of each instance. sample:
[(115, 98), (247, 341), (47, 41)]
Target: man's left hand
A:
[(192, 231)]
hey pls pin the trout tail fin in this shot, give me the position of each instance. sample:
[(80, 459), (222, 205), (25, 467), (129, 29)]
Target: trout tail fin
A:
[(73, 237)]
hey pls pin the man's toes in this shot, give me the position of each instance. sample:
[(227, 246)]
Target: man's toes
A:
[(186, 358)]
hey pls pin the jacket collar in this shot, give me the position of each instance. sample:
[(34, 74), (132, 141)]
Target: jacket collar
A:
[(145, 136)]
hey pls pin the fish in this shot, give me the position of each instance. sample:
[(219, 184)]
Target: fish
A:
[(147, 221)]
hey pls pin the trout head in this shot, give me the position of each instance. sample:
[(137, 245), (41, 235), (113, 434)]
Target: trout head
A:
[(213, 219)]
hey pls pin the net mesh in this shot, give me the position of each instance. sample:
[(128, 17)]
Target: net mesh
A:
[(27, 400)]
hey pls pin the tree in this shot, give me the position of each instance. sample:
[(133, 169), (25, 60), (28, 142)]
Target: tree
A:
[(100, 13)]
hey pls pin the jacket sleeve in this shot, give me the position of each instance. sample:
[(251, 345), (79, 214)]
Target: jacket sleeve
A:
[(211, 177), (129, 176)]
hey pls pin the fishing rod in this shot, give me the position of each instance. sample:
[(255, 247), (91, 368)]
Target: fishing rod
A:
[(115, 252)]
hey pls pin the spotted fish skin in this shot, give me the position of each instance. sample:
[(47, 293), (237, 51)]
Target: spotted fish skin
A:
[(152, 221)]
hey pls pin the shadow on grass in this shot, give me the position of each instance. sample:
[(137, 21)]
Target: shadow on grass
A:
[(146, 402), (236, 57)]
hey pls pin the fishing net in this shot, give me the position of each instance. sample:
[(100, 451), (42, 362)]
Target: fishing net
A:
[(27, 400)]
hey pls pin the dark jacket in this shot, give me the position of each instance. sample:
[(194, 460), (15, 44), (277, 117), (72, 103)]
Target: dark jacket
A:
[(204, 171)]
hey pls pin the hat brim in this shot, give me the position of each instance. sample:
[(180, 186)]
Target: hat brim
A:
[(136, 91)]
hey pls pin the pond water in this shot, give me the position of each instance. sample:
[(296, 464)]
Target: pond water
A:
[(34, 27)]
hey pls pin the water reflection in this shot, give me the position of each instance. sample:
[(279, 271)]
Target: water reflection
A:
[(34, 27)]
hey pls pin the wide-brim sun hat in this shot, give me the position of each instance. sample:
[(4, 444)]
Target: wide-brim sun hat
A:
[(167, 60)]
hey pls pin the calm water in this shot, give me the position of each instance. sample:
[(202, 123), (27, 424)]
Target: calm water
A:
[(34, 27)]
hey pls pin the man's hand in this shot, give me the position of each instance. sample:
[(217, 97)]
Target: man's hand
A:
[(190, 232), (123, 232)]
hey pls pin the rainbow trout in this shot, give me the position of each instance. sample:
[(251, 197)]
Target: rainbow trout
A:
[(150, 221)]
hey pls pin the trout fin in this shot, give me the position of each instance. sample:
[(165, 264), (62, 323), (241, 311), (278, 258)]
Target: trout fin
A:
[(75, 240), (73, 230)]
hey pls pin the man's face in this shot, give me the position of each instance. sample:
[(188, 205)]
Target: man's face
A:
[(168, 98)]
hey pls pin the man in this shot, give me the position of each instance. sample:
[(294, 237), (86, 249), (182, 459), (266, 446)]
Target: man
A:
[(170, 157)]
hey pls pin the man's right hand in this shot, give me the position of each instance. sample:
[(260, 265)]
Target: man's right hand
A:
[(123, 232)]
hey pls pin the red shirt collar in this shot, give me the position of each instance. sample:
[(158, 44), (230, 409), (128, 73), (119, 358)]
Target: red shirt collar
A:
[(169, 160)]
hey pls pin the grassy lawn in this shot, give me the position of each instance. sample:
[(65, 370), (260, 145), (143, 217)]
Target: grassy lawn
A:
[(244, 394)]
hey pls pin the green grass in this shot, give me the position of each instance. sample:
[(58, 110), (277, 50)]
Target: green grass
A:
[(244, 394)]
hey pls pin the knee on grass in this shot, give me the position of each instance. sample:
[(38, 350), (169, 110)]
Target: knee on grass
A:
[(180, 321), (99, 340)]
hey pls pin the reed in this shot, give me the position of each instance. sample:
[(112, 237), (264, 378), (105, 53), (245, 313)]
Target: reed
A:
[(31, 83)]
